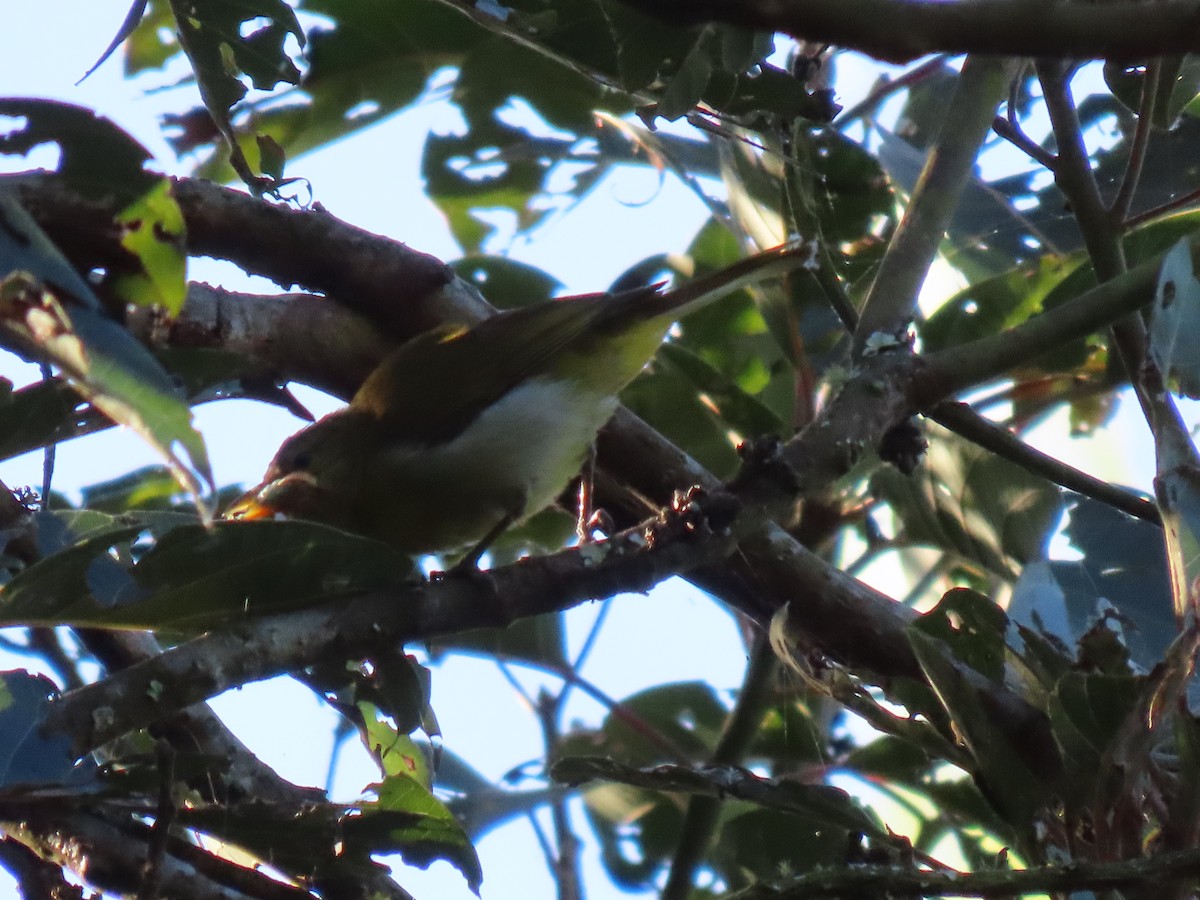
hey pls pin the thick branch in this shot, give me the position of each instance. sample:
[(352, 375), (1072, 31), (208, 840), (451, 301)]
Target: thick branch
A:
[(902, 30), (215, 662), (892, 881), (386, 281), (276, 330)]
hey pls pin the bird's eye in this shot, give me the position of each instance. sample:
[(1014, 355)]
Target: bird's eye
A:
[(301, 460)]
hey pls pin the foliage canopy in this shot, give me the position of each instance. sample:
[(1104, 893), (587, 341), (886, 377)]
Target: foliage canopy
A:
[(1029, 720)]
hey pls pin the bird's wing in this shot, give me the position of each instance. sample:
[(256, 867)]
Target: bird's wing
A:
[(432, 387)]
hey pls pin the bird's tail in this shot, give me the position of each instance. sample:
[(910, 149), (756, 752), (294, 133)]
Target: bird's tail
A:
[(754, 268)]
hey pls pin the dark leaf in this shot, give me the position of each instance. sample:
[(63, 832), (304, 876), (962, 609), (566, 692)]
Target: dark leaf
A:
[(27, 756), (197, 578)]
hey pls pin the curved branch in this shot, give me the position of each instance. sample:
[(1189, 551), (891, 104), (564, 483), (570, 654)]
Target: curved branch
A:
[(901, 30), (385, 280), (962, 420)]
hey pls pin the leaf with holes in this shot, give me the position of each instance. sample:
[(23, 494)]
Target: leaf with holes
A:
[(1176, 320)]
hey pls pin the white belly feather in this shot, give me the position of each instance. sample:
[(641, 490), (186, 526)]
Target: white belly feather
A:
[(516, 458)]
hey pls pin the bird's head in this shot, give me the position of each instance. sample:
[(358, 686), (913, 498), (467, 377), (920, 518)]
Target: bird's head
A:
[(316, 475)]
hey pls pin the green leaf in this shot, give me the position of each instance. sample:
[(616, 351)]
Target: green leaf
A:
[(36, 415), (1088, 712), (565, 99), (398, 755), (154, 233), (197, 578), (1000, 768), (100, 160), (538, 640), (151, 487), (1122, 565), (756, 845), (486, 169), (655, 725), (507, 283), (105, 363), (96, 157), (998, 303), (973, 627), (686, 86), (407, 819), (367, 60), (211, 34), (1178, 83), (736, 408), (153, 42)]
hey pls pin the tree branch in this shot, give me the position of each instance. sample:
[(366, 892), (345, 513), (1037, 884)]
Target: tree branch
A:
[(384, 280), (954, 369), (962, 420), (892, 881), (900, 31), (275, 330), (111, 855), (356, 627), (892, 300)]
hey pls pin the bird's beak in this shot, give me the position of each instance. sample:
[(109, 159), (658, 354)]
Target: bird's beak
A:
[(251, 505), (294, 494)]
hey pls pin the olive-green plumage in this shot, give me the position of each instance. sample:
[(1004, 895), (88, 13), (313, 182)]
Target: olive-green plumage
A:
[(463, 429)]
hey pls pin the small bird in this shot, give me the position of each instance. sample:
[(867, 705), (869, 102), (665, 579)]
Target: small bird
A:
[(463, 431)]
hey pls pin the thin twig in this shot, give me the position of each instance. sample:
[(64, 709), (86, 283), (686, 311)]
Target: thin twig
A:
[(1188, 199), (164, 816), (502, 665), (908, 79), (539, 834), (49, 453), (1012, 132), (962, 420), (1102, 237), (700, 818), (615, 708), (1151, 83), (566, 860), (589, 642)]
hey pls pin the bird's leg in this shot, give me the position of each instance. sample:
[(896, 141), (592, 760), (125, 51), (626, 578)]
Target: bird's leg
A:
[(587, 492)]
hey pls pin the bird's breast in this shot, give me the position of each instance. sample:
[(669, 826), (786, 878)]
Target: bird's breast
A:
[(513, 459)]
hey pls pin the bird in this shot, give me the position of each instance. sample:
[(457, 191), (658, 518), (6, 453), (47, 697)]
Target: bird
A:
[(463, 431)]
